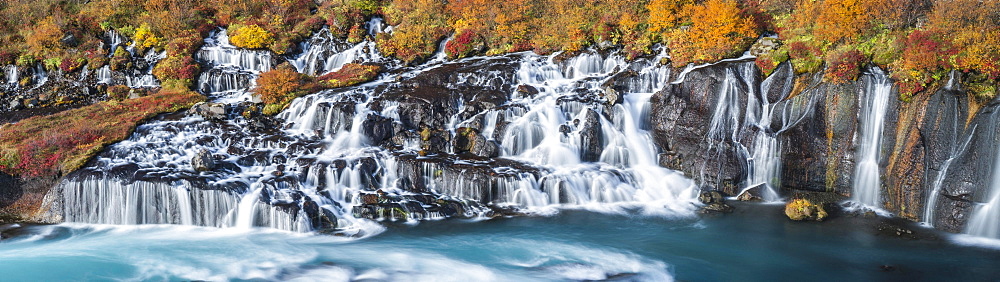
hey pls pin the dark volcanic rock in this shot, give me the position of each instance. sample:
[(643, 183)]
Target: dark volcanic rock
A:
[(779, 84), (377, 128), (428, 100), (969, 177), (202, 161), (591, 137), (944, 133), (682, 118)]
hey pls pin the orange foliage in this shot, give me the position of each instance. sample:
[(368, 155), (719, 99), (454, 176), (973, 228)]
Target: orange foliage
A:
[(666, 14), (44, 36), (839, 20), (278, 87), (973, 28), (717, 30)]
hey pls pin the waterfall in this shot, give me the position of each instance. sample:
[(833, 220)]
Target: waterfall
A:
[(874, 104), (103, 75), (232, 71), (557, 129), (41, 76), (985, 219), (12, 75)]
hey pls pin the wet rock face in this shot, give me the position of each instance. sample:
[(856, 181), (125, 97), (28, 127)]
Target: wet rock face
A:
[(377, 128), (681, 118), (10, 190), (819, 151)]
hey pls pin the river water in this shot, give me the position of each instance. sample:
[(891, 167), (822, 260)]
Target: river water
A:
[(755, 243)]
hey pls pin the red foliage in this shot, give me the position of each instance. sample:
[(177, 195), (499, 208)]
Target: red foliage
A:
[(8, 58), (69, 65), (765, 64), (180, 68), (927, 50), (801, 50), (350, 74), (461, 45), (45, 146), (845, 66)]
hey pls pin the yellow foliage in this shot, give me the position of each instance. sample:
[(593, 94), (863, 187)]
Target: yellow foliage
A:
[(249, 36), (145, 37)]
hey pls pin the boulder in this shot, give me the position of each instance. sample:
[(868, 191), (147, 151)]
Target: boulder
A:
[(202, 161), (485, 148), (802, 209), (611, 95), (527, 90), (210, 111), (714, 202), (754, 193)]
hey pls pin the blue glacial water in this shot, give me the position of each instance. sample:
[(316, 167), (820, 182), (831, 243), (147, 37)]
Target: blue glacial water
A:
[(755, 243)]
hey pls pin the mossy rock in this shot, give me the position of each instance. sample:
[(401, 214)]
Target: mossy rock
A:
[(802, 209)]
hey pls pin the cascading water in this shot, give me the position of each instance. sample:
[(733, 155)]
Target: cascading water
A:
[(875, 103), (576, 142), (323, 53), (232, 70), (764, 164), (574, 117)]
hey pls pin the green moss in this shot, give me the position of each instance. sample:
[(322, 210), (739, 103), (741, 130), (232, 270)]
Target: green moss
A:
[(273, 109), (26, 60)]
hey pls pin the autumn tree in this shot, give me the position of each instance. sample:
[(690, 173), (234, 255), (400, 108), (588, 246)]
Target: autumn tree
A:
[(717, 30)]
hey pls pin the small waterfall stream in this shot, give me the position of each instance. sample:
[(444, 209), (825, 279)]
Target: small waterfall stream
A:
[(875, 103), (932, 198), (12, 75)]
